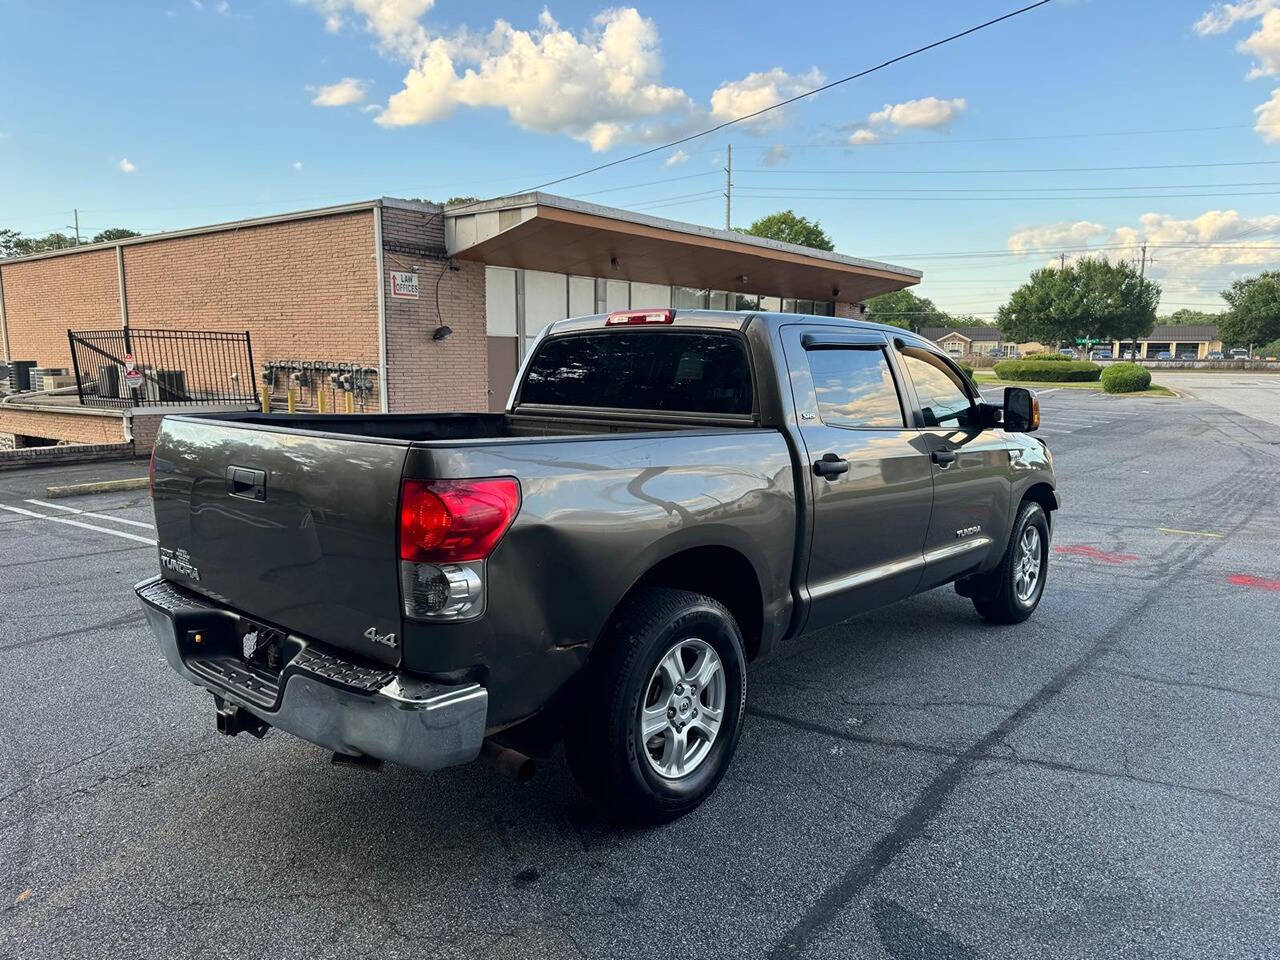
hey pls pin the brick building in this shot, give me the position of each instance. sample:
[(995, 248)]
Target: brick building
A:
[(437, 307)]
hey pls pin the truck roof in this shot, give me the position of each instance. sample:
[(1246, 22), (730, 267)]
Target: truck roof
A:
[(730, 320)]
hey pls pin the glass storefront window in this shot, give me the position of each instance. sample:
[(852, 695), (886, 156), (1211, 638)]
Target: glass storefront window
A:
[(746, 301), (773, 304), (789, 305), (719, 300), (689, 298)]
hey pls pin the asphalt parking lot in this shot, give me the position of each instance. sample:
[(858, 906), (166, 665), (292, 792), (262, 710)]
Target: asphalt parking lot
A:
[(1100, 781)]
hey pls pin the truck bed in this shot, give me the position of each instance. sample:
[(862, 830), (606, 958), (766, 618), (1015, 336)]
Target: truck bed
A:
[(426, 427)]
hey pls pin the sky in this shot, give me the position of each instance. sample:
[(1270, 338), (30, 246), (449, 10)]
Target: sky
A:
[(1080, 125)]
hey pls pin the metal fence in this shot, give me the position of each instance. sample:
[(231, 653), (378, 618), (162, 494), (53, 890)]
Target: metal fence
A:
[(139, 368)]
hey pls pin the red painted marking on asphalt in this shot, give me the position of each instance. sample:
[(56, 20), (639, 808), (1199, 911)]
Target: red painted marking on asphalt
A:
[(1258, 583), (1093, 553)]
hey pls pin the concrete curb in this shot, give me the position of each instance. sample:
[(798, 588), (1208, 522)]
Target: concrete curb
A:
[(101, 486)]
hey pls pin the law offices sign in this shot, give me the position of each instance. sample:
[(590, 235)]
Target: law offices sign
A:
[(404, 286)]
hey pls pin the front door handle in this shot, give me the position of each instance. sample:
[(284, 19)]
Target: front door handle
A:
[(944, 458), (830, 466)]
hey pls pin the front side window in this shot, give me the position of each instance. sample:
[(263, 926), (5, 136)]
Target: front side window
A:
[(855, 388), (942, 396), (642, 370)]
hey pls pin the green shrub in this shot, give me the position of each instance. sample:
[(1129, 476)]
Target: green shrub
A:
[(968, 370), (1058, 372), (1053, 357), (1125, 378)]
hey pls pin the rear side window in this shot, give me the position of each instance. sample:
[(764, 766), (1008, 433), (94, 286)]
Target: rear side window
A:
[(942, 396), (642, 370), (854, 388)]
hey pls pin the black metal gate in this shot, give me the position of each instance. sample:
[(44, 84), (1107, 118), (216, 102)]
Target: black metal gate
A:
[(140, 368)]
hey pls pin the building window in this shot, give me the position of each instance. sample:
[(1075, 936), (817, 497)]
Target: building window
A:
[(688, 298), (746, 301), (720, 300)]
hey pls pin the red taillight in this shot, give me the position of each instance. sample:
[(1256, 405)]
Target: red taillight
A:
[(619, 317), (454, 521)]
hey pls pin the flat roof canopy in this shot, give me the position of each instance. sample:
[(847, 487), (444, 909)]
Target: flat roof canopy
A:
[(542, 232)]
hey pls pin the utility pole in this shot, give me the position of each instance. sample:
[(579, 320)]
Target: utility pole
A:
[(728, 186), (1062, 261), (1142, 270), (76, 215)]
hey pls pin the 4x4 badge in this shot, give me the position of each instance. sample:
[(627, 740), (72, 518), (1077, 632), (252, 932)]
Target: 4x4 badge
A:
[(386, 639)]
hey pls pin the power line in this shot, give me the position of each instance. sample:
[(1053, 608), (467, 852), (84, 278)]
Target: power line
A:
[(1143, 166), (1122, 196), (1132, 186)]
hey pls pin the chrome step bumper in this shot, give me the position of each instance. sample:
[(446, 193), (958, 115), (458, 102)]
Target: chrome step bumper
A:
[(319, 696)]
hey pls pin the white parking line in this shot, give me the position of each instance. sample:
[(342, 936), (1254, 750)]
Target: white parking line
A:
[(90, 513), (77, 523)]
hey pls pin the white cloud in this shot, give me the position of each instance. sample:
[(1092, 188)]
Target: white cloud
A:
[(676, 159), (297, 164), (863, 135), (756, 91), (223, 7), (1064, 234), (1264, 44), (1268, 125), (197, 4), (776, 154), (1194, 257), (1224, 16), (927, 113), (394, 22), (126, 166), (602, 86), (345, 92)]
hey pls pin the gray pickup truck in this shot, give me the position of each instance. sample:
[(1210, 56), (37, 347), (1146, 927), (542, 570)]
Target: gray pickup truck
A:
[(669, 496)]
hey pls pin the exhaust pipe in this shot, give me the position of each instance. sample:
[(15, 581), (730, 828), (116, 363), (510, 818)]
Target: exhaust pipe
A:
[(510, 763)]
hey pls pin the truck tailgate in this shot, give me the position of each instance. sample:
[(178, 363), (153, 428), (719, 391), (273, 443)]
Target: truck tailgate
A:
[(296, 529)]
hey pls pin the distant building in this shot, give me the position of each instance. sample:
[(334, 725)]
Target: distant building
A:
[(967, 341), (1192, 341)]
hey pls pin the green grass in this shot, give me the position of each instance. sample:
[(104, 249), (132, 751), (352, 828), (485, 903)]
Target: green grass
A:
[(986, 378)]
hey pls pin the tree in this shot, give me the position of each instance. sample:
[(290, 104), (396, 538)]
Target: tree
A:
[(902, 308), (1091, 298), (114, 233), (452, 201), (789, 227), (1254, 316), (1187, 318), (10, 243)]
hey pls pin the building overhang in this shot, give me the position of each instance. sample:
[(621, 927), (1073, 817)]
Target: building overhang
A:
[(537, 231)]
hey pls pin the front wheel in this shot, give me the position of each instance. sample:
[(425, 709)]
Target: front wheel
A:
[(1011, 592), (662, 706)]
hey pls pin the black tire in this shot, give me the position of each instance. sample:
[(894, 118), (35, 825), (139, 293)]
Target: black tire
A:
[(995, 595), (603, 741)]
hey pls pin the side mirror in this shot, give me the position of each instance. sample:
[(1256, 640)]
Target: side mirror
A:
[(1021, 410)]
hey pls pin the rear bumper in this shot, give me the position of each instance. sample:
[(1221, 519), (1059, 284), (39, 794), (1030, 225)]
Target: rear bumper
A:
[(319, 696)]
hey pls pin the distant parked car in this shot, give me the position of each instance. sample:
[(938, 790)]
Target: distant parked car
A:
[(1127, 355), (1067, 352), (1164, 355), (1214, 355), (1102, 355), (1239, 353)]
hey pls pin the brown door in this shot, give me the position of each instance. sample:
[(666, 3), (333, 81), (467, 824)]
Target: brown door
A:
[(502, 371)]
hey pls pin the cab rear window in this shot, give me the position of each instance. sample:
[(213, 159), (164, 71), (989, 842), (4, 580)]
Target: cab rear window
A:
[(642, 370)]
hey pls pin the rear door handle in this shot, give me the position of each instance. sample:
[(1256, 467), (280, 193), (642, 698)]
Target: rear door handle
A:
[(830, 466), (944, 458)]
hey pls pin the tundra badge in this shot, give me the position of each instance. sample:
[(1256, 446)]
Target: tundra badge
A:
[(967, 532)]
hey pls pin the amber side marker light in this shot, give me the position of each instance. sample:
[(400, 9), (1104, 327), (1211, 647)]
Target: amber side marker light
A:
[(1035, 411), (627, 317)]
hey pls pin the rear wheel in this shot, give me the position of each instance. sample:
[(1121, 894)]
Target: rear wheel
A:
[(662, 706), (1011, 592)]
